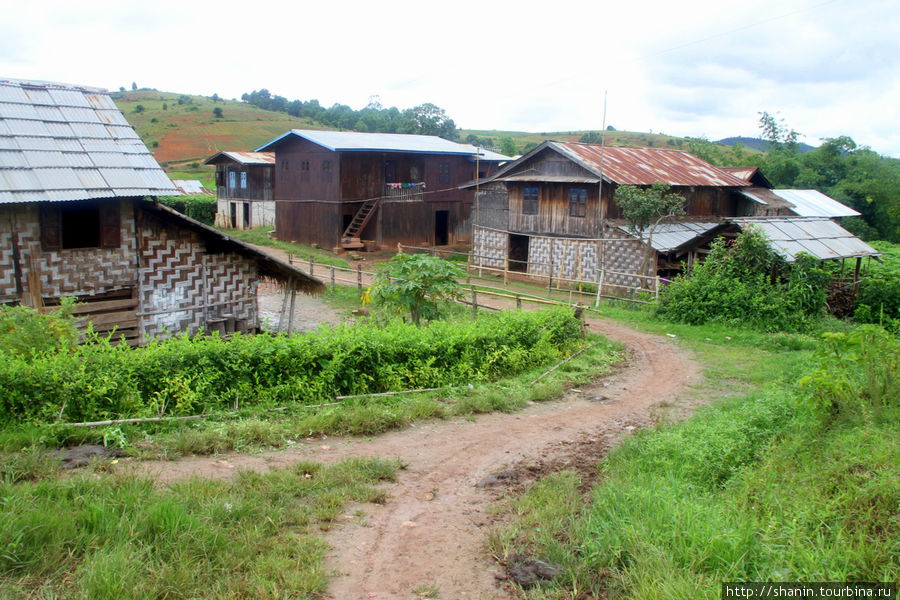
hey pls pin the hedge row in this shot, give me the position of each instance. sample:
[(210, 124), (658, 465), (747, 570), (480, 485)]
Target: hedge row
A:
[(200, 208), (193, 375)]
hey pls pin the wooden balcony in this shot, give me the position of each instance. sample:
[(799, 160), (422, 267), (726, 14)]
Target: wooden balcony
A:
[(404, 192)]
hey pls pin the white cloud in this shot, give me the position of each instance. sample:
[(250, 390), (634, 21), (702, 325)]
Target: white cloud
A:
[(699, 67)]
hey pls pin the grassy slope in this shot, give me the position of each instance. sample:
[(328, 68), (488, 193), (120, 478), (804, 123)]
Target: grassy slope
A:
[(756, 487), (183, 134), (188, 133)]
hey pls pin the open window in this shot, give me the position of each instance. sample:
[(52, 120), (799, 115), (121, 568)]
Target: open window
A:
[(73, 225)]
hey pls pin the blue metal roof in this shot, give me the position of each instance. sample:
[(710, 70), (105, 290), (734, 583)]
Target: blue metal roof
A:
[(351, 141)]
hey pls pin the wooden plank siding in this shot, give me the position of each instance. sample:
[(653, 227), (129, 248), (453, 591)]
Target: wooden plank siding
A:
[(553, 210), (260, 182), (313, 206)]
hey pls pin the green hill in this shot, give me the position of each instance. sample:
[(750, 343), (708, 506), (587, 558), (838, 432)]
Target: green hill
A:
[(183, 130)]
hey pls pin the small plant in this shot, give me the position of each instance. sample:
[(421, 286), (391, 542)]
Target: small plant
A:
[(139, 108), (217, 112), (416, 284)]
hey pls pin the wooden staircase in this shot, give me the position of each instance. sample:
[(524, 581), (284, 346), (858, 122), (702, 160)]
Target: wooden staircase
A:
[(350, 239)]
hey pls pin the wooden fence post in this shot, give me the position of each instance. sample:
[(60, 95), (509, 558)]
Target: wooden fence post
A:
[(311, 266), (474, 303), (518, 302), (332, 278), (359, 279), (291, 315), (506, 271), (550, 271)]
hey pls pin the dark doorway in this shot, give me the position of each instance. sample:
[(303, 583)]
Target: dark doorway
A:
[(441, 227), (233, 211), (246, 215), (347, 220), (390, 171), (518, 253)]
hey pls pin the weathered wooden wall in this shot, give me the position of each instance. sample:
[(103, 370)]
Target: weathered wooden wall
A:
[(553, 210), (260, 182)]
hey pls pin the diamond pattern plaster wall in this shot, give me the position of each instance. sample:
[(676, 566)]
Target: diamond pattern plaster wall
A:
[(182, 285), (76, 272)]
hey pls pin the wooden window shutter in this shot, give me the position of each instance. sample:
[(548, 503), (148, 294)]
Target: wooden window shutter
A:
[(51, 230), (110, 226)]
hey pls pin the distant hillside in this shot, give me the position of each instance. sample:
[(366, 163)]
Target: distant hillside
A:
[(711, 151), (183, 130), (759, 144)]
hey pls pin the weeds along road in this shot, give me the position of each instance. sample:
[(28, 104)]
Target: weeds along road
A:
[(431, 532)]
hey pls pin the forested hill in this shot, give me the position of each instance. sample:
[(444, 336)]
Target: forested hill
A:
[(760, 144)]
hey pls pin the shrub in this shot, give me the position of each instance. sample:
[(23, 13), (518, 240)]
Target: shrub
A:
[(188, 375), (416, 284), (26, 333), (747, 283), (201, 208)]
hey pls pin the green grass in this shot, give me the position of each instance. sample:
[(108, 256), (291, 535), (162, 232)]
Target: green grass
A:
[(261, 237), (100, 536), (755, 487)]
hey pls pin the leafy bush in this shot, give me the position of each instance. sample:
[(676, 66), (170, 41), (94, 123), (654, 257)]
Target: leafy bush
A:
[(415, 284), (747, 283), (878, 300), (192, 375), (201, 208), (25, 333), (858, 373)]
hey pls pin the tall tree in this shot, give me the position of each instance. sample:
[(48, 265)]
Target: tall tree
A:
[(645, 208)]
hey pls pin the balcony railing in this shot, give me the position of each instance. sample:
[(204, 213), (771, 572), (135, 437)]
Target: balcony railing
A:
[(404, 192)]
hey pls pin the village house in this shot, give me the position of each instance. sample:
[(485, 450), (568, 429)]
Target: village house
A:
[(245, 189), (77, 218), (342, 189), (552, 213)]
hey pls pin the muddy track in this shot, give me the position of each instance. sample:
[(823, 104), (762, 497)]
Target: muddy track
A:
[(432, 529)]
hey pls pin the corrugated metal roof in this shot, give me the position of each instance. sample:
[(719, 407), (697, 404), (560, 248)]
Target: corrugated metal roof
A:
[(671, 236), (646, 166), (813, 203), (191, 186), (551, 178), (818, 236), (351, 141), (65, 142), (244, 158)]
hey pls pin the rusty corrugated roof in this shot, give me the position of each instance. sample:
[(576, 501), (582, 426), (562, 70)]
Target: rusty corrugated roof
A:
[(646, 166), (244, 158), (64, 142)]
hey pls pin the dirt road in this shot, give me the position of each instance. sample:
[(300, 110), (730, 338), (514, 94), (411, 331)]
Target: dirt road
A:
[(431, 531)]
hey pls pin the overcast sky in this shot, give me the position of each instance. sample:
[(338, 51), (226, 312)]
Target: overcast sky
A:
[(689, 68)]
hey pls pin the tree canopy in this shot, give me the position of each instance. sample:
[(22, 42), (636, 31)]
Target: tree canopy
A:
[(425, 119)]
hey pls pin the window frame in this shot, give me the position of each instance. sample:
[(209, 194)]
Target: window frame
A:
[(443, 177), (578, 202), (243, 180), (531, 200)]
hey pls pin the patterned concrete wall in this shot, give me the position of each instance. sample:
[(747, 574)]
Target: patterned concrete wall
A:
[(623, 255), (571, 258), (490, 248), (182, 285), (75, 272), (262, 213)]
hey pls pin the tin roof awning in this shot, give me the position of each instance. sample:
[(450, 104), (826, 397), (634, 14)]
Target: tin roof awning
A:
[(818, 236), (671, 236)]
